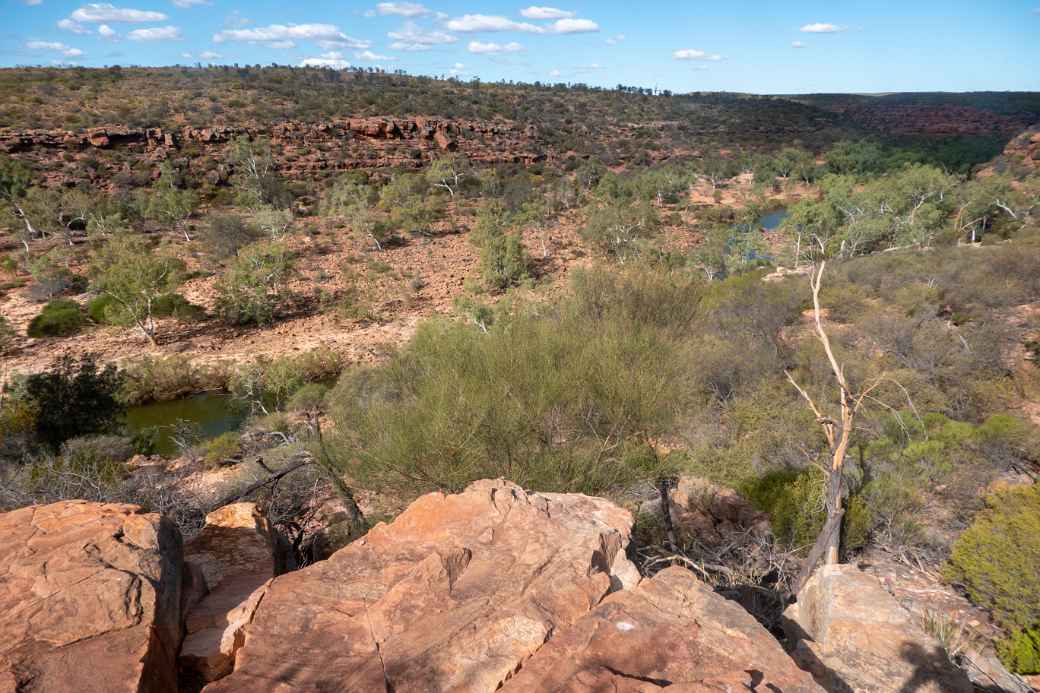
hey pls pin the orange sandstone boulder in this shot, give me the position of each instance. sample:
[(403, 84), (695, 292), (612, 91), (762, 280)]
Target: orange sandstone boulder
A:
[(89, 599), (455, 595)]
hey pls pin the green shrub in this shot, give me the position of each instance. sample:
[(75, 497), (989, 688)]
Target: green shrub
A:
[(997, 559), (794, 501), (224, 446), (309, 398), (97, 309), (74, 398), (162, 378), (1020, 651), (271, 382), (61, 317), (97, 456)]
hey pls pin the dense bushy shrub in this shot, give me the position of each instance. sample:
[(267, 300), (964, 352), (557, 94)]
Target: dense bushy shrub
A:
[(61, 317), (253, 288), (74, 398), (997, 559)]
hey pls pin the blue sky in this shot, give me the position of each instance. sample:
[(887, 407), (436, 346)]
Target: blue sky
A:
[(757, 46)]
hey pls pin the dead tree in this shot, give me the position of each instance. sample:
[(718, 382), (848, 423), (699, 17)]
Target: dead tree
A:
[(838, 434)]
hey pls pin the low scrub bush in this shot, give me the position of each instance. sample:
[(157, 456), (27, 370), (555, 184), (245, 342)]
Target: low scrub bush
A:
[(162, 378), (61, 317)]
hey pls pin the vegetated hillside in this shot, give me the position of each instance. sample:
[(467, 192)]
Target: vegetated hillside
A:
[(1014, 110)]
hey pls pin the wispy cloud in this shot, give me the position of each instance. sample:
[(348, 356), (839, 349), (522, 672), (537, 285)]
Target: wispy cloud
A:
[(480, 47), (821, 28), (536, 12), (402, 9), (104, 12), (694, 54), (797, 44), (616, 39), (284, 36), (158, 33), (573, 26), (414, 38), (185, 4), (55, 46), (482, 22), (370, 57)]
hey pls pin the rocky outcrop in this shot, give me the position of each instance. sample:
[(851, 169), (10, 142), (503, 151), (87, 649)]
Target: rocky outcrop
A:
[(672, 631), (301, 149), (853, 636), (235, 553), (89, 599), (455, 594)]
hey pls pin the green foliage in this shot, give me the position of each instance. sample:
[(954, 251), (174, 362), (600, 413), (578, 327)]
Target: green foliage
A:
[(409, 206), (53, 277), (169, 202), (1020, 651), (503, 260), (254, 287), (618, 230), (794, 501), (257, 181), (997, 559), (565, 401), (74, 398), (138, 282), (271, 383), (218, 449), (226, 234), (7, 333), (162, 378), (61, 317), (15, 178), (352, 201), (309, 398)]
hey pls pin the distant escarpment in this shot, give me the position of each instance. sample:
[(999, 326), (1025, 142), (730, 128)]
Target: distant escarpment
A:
[(112, 154)]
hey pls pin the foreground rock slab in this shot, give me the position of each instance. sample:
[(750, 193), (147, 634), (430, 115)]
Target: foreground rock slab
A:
[(853, 636), (454, 595), (673, 632), (89, 599)]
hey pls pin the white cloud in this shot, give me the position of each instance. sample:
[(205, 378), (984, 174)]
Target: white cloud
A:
[(187, 56), (332, 63), (694, 54), (289, 32), (157, 33), (33, 2), (573, 26), (282, 45), (370, 57), (108, 33), (402, 9), (210, 55), (343, 42), (554, 73), (186, 4), (414, 38), (67, 51), (797, 44), (821, 28), (616, 39), (69, 25), (535, 12), (457, 69), (493, 48), (104, 12), (483, 22)]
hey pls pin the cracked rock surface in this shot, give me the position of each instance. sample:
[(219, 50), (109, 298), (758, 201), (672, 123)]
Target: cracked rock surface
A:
[(454, 595), (498, 587), (89, 599)]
